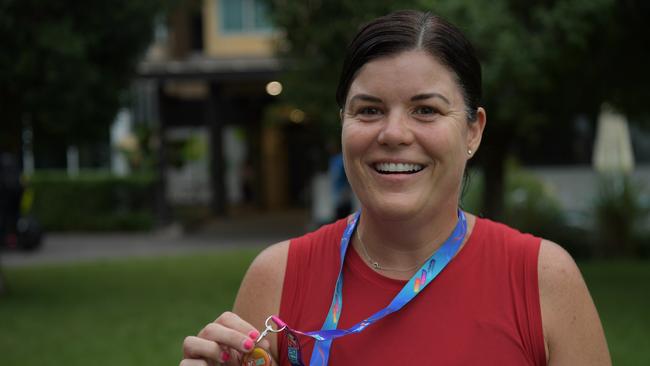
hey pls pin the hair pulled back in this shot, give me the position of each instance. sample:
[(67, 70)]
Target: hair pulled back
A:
[(408, 30)]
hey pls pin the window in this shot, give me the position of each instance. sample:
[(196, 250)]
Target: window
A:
[(244, 16)]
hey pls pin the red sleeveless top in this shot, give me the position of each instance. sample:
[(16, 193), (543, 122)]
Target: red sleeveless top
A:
[(483, 308)]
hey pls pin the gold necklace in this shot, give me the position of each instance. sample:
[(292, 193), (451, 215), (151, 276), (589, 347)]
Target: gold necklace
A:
[(376, 264)]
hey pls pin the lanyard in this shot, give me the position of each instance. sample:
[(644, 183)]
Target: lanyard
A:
[(429, 270)]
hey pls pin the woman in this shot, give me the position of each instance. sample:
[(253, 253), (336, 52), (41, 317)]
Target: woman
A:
[(409, 96)]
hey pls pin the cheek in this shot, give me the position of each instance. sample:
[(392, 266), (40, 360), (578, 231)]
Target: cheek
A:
[(438, 139), (354, 139), (443, 142)]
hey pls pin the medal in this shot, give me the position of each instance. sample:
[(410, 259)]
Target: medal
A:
[(259, 356)]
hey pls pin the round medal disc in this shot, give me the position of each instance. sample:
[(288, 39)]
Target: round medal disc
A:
[(257, 357)]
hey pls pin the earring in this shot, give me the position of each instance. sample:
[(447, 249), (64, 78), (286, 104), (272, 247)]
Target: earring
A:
[(469, 152)]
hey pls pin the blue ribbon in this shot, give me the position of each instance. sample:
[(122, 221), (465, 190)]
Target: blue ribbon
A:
[(429, 270)]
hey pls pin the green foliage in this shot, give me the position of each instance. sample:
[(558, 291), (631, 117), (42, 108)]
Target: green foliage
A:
[(65, 64), (526, 49), (316, 33), (622, 213), (93, 201), (531, 207), (472, 191), (544, 62)]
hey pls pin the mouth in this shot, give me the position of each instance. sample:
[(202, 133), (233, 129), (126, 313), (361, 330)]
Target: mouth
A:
[(397, 168)]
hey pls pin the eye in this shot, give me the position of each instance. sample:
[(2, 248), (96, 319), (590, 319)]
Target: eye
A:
[(426, 112), (369, 113)]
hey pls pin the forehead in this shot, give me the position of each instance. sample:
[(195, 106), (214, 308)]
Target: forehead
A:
[(406, 74)]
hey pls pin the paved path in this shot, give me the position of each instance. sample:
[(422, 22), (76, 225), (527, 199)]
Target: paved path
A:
[(250, 231)]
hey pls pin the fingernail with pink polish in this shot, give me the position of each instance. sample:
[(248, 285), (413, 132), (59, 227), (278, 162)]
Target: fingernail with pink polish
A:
[(253, 334), (248, 344), (225, 356)]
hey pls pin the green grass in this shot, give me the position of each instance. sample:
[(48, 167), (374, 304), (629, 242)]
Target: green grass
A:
[(621, 291), (133, 312), (137, 312)]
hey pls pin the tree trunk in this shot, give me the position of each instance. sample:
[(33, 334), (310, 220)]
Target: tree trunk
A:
[(3, 282), (215, 111), (493, 156), (163, 216), (493, 195)]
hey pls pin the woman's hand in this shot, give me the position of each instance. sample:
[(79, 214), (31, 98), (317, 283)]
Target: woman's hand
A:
[(230, 337), (224, 341)]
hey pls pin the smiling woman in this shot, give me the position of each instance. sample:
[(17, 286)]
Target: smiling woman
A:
[(445, 286), (407, 110)]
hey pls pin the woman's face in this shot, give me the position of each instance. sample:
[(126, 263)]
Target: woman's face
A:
[(406, 137)]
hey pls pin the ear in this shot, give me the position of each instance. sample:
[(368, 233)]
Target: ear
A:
[(340, 114), (475, 131)]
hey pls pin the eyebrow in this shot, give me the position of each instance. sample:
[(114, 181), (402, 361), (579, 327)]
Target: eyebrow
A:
[(365, 98), (428, 96), (415, 98)]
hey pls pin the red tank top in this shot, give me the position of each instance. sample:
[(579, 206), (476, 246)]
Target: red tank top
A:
[(483, 308)]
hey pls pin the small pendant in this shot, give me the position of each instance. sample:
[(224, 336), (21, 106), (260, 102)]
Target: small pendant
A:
[(257, 357), (376, 265)]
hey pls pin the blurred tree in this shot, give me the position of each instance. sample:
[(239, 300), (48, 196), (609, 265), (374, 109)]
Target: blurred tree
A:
[(64, 65), (313, 44), (544, 61)]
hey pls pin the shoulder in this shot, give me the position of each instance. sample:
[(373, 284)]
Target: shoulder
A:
[(266, 275), (264, 280), (557, 269), (499, 238), (561, 286), (324, 233), (572, 329)]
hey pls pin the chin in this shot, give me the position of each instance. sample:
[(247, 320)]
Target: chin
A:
[(396, 210)]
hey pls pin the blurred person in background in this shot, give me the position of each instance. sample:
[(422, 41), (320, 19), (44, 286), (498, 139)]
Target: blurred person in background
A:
[(411, 278), (341, 192), (10, 194)]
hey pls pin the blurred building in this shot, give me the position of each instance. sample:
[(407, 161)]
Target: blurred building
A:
[(204, 87)]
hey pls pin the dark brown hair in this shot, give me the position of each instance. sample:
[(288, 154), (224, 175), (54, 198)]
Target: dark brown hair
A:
[(410, 30)]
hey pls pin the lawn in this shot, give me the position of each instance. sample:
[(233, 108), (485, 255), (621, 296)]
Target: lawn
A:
[(136, 312)]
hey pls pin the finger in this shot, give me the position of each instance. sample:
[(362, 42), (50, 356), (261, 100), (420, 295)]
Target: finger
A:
[(195, 347), (235, 358), (225, 336), (233, 321), (264, 343)]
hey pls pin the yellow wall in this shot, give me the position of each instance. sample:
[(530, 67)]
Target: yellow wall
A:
[(217, 44)]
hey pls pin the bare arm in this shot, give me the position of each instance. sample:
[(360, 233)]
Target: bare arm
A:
[(261, 289), (573, 333), (232, 333)]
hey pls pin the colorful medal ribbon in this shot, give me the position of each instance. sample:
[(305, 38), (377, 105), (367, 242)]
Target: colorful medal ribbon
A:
[(429, 270)]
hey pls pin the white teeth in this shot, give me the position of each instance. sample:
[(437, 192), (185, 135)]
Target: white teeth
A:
[(398, 167)]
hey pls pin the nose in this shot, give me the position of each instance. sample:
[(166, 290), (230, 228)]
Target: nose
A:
[(395, 130)]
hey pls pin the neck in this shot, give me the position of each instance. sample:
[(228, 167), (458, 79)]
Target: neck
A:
[(403, 244)]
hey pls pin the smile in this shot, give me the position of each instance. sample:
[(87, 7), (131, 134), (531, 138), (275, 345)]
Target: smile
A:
[(397, 168)]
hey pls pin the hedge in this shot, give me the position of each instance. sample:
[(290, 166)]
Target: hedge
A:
[(92, 201)]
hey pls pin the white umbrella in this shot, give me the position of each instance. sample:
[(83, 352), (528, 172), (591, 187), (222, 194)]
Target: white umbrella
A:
[(612, 149)]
